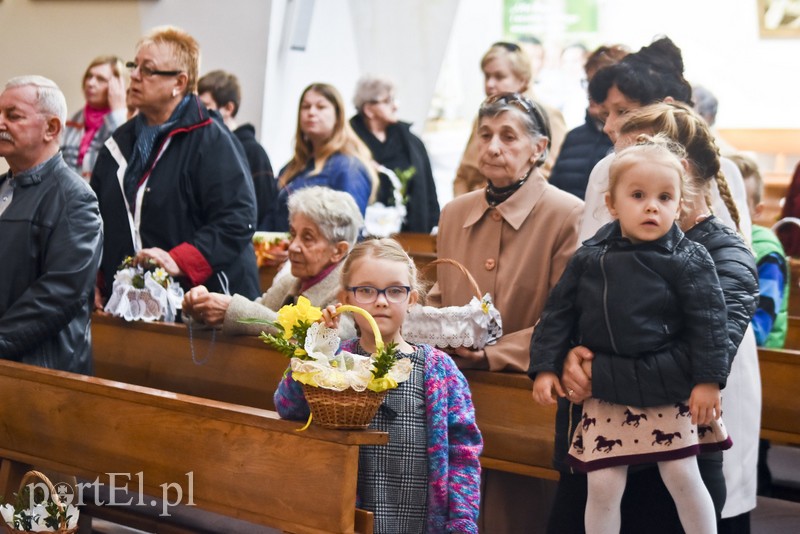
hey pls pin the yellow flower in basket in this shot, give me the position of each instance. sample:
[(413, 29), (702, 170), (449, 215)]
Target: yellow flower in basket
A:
[(315, 362)]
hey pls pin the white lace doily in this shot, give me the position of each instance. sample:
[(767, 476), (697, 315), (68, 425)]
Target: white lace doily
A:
[(340, 371), (475, 324), (152, 303)]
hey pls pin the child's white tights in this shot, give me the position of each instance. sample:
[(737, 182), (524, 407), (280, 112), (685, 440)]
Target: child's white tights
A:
[(682, 479)]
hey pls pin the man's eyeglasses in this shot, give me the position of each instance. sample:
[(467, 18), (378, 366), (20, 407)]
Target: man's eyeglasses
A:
[(147, 72), (369, 294), (511, 47)]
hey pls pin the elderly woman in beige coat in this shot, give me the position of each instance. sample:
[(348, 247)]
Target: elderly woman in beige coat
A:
[(324, 225), (515, 236)]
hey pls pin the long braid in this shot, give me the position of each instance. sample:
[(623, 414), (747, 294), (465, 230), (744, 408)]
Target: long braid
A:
[(727, 197)]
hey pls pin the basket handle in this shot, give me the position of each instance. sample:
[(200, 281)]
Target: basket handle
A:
[(370, 319), (448, 261), (33, 474)]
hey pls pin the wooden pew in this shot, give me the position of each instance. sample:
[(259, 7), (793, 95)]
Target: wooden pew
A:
[(422, 249), (235, 369), (794, 288), (776, 151), (518, 433), (780, 412), (415, 242), (244, 462), (793, 333)]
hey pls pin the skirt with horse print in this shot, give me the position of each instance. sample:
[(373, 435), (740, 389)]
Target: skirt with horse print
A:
[(613, 434)]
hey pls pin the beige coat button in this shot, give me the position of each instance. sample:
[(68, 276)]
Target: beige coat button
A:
[(496, 215), (490, 264)]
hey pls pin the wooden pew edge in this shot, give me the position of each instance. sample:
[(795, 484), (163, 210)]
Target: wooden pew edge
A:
[(184, 403), (519, 469)]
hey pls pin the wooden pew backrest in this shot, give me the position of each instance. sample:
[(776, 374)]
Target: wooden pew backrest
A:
[(244, 462), (235, 369)]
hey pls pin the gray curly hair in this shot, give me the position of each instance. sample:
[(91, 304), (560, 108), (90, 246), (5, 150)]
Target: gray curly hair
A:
[(334, 212)]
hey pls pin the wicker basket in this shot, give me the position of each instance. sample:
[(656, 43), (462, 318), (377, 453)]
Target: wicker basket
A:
[(30, 476), (343, 410)]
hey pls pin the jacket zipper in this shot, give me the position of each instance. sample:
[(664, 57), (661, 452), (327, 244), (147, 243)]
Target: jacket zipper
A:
[(605, 300)]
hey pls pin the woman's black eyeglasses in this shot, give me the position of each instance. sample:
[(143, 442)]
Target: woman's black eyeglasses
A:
[(511, 47), (147, 72), (369, 294)]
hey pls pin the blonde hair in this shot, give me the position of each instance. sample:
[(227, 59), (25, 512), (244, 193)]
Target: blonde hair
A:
[(382, 249), (117, 67), (518, 60), (682, 124), (658, 149), (343, 140), (185, 50), (749, 169)]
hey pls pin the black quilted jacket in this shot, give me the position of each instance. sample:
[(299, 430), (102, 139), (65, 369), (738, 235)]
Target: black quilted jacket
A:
[(738, 277)]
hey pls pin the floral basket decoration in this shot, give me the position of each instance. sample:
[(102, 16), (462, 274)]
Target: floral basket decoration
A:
[(343, 390), (144, 293), (475, 324), (48, 515)]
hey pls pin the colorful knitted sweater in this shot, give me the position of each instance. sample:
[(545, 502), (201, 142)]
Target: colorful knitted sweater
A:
[(454, 441)]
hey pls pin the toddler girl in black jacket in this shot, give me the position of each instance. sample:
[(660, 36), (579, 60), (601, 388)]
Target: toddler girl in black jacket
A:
[(639, 285)]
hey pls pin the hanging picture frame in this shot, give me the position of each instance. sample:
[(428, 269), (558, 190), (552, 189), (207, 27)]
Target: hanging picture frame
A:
[(779, 18)]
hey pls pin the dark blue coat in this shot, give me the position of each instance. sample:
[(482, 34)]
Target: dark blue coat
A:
[(582, 149), (198, 203)]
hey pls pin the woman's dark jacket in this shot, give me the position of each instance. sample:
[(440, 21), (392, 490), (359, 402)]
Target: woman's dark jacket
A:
[(422, 204), (583, 147), (51, 244), (736, 269), (264, 183), (198, 204)]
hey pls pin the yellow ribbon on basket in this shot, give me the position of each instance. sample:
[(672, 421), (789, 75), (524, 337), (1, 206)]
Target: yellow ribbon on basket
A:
[(378, 345)]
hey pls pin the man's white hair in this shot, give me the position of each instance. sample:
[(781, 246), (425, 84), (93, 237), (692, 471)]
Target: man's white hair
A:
[(49, 98)]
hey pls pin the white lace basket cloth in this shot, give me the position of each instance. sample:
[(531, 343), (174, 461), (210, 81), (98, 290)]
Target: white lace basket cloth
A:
[(475, 324), (154, 302)]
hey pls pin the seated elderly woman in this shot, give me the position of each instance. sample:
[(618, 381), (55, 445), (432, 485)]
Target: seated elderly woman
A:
[(324, 225), (394, 146), (515, 236)]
